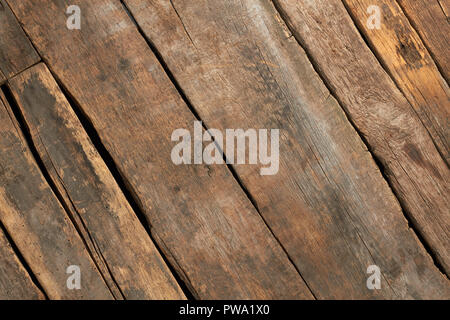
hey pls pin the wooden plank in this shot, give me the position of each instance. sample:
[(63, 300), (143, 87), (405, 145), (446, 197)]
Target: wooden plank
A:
[(384, 117), (403, 54), (199, 215), (16, 51), (15, 283), (38, 223), (328, 205), (431, 21), (85, 182)]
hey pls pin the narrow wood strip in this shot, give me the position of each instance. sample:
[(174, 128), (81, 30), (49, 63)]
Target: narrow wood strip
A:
[(403, 54), (37, 222), (431, 20), (2, 78), (199, 215), (328, 204), (445, 6), (16, 51), (15, 283), (85, 182), (384, 117)]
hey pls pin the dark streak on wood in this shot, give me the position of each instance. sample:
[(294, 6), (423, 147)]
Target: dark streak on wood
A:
[(402, 53), (432, 24)]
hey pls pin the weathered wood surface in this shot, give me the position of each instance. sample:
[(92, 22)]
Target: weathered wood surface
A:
[(199, 215), (16, 51), (15, 283), (395, 134), (2, 78), (90, 190), (431, 21), (37, 222), (328, 205), (408, 61)]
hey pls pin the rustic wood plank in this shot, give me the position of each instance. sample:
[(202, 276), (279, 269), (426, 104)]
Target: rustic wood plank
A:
[(85, 182), (199, 215), (431, 21), (38, 223), (15, 283), (328, 205), (394, 132), (16, 51), (406, 58)]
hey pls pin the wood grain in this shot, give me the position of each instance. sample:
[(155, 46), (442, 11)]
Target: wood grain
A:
[(37, 222), (402, 52), (15, 283), (88, 187), (328, 205), (198, 215), (431, 21), (16, 51), (2, 78), (382, 114)]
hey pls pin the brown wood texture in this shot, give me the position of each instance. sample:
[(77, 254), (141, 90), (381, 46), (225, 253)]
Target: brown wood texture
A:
[(406, 58), (15, 283), (199, 215), (395, 134), (16, 51), (37, 222), (89, 188), (431, 20), (94, 120), (250, 73), (2, 78)]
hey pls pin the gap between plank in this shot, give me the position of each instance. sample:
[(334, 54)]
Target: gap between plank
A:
[(412, 226), (197, 117), (23, 261), (388, 72), (416, 28), (442, 8)]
